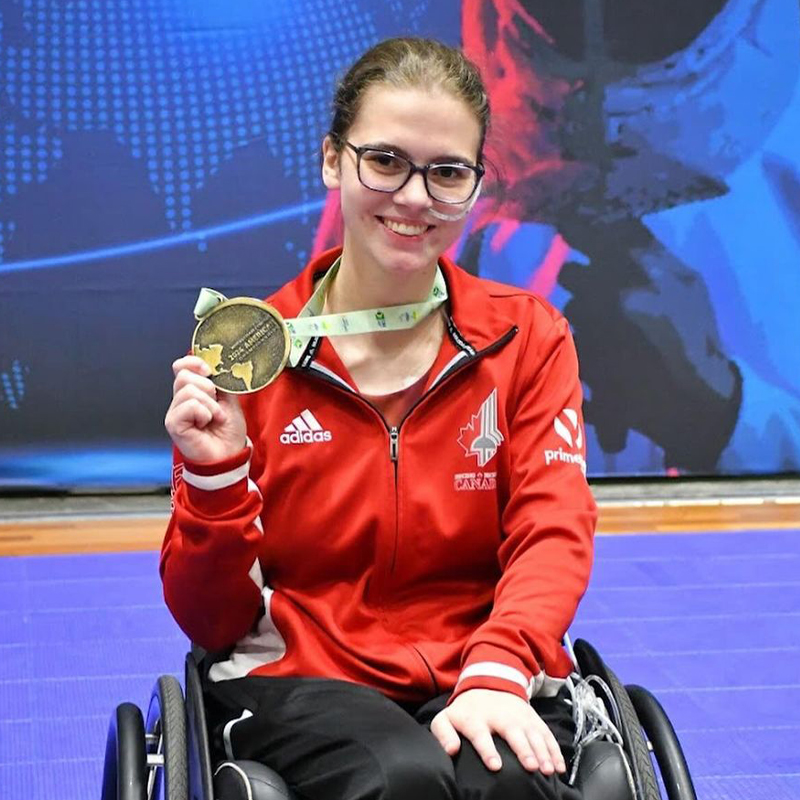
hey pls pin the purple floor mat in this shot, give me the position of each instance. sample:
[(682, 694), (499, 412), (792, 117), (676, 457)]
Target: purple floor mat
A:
[(710, 622)]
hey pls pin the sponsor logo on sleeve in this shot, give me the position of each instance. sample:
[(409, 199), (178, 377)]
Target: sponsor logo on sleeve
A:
[(568, 428)]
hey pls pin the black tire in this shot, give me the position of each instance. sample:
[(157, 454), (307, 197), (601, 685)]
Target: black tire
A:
[(666, 747), (634, 743), (166, 727), (125, 768)]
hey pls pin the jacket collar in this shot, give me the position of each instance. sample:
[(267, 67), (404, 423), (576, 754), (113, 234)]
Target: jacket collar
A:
[(474, 314)]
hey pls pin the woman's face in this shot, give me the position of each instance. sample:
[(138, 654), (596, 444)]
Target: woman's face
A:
[(394, 231)]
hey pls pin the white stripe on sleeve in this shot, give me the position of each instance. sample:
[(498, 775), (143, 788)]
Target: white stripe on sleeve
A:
[(211, 483), (493, 669), (541, 685)]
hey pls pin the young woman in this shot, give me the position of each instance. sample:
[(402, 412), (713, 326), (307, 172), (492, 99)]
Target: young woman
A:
[(391, 540)]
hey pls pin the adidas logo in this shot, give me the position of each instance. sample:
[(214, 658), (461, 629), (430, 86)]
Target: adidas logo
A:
[(304, 429)]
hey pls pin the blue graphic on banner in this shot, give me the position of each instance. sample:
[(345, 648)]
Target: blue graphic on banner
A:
[(146, 149), (198, 237), (652, 168)]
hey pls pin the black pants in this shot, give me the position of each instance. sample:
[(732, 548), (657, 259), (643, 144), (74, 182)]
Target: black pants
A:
[(332, 740)]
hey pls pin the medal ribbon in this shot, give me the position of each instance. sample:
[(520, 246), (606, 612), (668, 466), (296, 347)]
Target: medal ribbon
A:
[(389, 318)]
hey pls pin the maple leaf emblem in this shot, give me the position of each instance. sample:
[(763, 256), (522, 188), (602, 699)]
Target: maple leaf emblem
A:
[(467, 434), (482, 443)]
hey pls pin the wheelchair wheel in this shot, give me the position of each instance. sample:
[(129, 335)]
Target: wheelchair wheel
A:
[(125, 768), (166, 742), (634, 743), (666, 747)]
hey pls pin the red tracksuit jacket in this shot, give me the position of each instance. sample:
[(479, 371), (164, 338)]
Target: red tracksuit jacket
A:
[(451, 551)]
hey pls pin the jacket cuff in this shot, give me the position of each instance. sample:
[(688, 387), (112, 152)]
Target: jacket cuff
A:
[(489, 667), (492, 675), (215, 486)]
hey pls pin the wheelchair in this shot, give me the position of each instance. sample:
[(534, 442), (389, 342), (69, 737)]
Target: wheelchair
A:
[(626, 747)]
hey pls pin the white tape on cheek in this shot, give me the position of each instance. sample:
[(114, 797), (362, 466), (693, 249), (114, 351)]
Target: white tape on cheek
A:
[(461, 214)]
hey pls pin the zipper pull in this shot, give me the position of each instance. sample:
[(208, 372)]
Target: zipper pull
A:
[(394, 435)]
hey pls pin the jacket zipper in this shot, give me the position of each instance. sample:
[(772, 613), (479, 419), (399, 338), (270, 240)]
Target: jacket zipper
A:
[(394, 436)]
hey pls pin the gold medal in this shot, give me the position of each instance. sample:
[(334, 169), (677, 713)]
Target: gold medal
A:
[(245, 342)]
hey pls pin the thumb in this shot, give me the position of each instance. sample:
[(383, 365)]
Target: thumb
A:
[(229, 402), (230, 411), (445, 733)]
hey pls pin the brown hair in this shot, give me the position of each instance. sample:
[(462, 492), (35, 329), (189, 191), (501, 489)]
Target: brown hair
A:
[(409, 63)]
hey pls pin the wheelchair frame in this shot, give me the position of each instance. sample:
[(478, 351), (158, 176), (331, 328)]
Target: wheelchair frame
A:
[(167, 754)]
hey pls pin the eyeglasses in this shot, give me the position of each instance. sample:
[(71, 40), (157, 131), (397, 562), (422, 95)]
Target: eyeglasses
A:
[(385, 171)]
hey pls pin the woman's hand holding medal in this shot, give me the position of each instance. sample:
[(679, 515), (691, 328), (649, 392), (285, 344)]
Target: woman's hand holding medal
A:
[(204, 424)]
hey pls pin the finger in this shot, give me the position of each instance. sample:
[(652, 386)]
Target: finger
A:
[(192, 392), (484, 746), (445, 733), (553, 747), (192, 363), (536, 737), (186, 377), (544, 744), (228, 398), (190, 415), (518, 741), (184, 414)]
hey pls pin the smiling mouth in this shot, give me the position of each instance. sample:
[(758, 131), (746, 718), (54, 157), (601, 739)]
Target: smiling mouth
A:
[(404, 228)]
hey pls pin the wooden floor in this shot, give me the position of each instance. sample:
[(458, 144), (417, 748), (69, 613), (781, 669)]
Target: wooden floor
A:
[(117, 534)]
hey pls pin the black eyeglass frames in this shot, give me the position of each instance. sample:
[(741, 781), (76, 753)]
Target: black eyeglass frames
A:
[(385, 171)]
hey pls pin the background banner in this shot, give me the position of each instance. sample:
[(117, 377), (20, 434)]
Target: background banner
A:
[(644, 177)]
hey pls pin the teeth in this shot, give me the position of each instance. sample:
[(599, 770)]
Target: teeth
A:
[(403, 229)]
